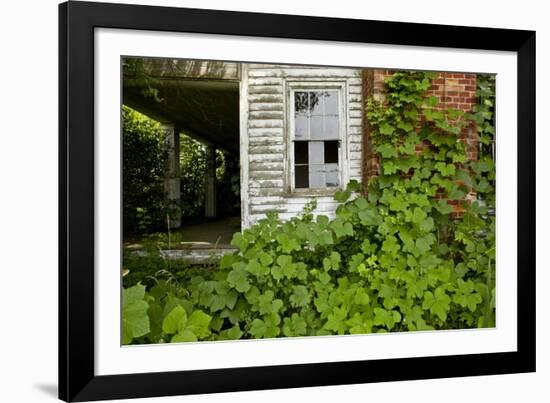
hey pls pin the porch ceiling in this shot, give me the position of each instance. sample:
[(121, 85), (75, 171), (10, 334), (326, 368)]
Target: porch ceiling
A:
[(204, 108)]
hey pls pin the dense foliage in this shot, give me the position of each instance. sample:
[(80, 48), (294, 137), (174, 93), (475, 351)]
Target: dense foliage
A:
[(143, 159), (402, 258), (193, 189)]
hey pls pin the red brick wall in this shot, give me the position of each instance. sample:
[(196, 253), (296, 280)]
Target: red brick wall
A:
[(453, 90)]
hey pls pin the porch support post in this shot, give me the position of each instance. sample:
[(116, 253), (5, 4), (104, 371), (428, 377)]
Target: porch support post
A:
[(172, 174), (210, 178)]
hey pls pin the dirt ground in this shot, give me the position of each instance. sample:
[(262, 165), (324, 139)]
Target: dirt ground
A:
[(219, 231), (211, 234)]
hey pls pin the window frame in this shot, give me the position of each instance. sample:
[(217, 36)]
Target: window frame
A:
[(310, 84)]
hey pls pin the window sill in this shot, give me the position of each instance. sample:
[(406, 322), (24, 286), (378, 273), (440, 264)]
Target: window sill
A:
[(313, 192)]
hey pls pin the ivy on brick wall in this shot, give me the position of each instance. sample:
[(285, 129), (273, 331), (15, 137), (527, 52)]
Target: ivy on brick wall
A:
[(416, 251), (426, 180)]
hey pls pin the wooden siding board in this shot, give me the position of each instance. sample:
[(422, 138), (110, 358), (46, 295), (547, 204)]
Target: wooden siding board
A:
[(253, 82), (266, 166), (265, 158), (268, 149), (265, 132), (265, 191), (266, 89), (266, 98), (269, 106), (263, 115), (266, 141), (265, 123), (304, 73)]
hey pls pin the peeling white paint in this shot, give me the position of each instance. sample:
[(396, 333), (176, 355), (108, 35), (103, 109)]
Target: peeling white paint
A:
[(267, 138)]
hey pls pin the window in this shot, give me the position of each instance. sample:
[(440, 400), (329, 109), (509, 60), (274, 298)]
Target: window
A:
[(316, 139)]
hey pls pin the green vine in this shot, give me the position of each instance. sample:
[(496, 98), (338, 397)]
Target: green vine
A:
[(424, 161), (134, 68), (415, 253)]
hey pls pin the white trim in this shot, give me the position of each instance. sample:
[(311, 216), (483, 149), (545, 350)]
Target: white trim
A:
[(243, 145), (290, 87)]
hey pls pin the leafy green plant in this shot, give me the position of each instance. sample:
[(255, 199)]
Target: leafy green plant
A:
[(162, 315), (144, 157), (412, 251), (143, 161)]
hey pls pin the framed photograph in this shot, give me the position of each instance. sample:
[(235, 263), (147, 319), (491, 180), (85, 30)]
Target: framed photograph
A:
[(259, 201)]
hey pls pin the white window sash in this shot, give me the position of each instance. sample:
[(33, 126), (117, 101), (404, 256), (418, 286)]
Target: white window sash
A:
[(340, 87)]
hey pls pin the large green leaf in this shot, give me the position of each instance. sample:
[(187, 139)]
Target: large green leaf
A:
[(183, 337), (387, 318), (294, 326), (256, 268), (300, 296), (135, 319), (437, 302), (198, 323), (238, 278), (258, 328), (175, 320)]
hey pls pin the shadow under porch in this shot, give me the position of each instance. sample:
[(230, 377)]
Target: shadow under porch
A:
[(199, 100)]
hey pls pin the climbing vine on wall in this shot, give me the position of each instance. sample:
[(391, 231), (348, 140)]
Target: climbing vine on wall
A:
[(415, 253), (425, 171)]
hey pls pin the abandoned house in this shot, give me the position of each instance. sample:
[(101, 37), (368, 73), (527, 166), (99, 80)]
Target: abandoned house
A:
[(299, 132)]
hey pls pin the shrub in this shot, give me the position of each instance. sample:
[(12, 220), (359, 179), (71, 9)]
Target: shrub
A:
[(192, 173), (143, 160)]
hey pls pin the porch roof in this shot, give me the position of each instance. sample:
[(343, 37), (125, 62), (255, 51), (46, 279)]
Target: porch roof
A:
[(200, 98)]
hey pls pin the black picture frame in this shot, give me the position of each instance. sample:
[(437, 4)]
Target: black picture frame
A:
[(77, 380)]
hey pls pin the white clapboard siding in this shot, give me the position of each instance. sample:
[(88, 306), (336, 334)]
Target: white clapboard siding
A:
[(265, 157), (291, 72), (253, 82), (263, 115), (266, 106), (356, 113), (355, 122), (265, 98), (265, 141), (267, 189), (266, 149), (266, 165), (264, 123), (355, 89), (265, 89), (265, 132), (355, 164)]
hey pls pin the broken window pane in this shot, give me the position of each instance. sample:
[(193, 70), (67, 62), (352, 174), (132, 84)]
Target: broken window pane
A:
[(317, 129), (331, 152), (302, 176), (301, 152)]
